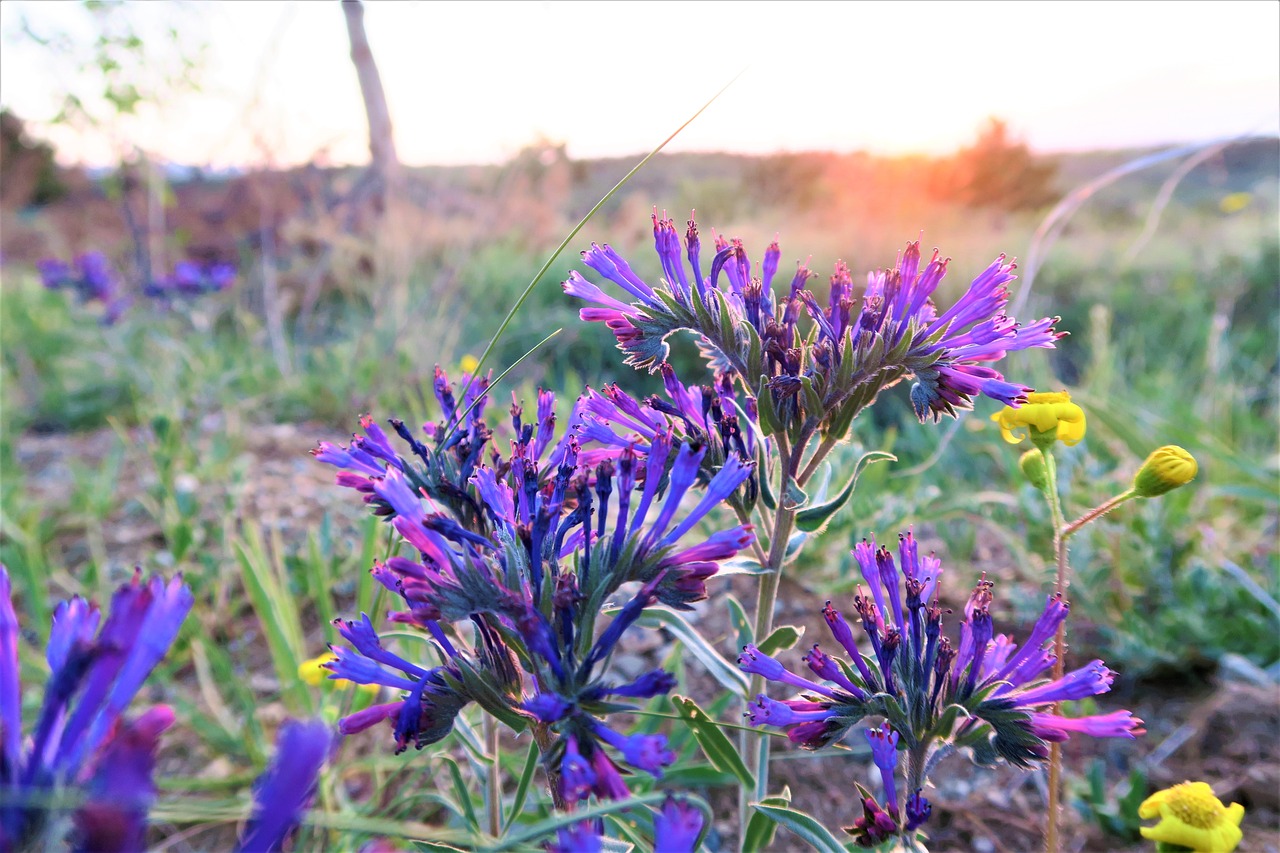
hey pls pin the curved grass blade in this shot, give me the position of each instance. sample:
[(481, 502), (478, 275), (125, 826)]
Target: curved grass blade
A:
[(522, 789), (545, 829), (506, 321), (715, 663), (463, 414)]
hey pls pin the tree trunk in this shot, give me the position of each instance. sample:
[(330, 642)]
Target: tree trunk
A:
[(384, 164)]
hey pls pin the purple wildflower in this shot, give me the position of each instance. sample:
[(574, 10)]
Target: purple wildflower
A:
[(874, 827), (884, 752), (949, 354), (918, 810), (426, 713), (998, 682), (283, 791), (581, 837), (676, 826), (81, 735), (119, 791)]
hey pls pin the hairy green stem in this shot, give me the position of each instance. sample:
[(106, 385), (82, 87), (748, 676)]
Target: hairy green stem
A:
[(543, 738), (824, 449), (784, 517), (1060, 582)]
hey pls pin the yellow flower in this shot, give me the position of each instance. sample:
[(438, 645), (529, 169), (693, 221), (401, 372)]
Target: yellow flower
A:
[(1235, 202), (1044, 412), (313, 672), (1166, 469), (468, 363), (1191, 816)]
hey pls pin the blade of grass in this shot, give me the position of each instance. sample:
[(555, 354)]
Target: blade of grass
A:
[(463, 414), (522, 787), (574, 233)]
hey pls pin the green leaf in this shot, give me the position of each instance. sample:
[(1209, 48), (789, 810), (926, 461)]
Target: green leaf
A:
[(460, 791), (770, 423), (738, 619), (741, 566), (804, 826), (761, 828), (718, 749), (522, 788), (795, 497), (783, 637), (545, 829), (812, 518), (729, 676)]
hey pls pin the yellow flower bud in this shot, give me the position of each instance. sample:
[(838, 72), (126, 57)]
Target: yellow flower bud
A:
[(1165, 470), (1191, 816), (1034, 468), (469, 363), (314, 673), (1049, 414)]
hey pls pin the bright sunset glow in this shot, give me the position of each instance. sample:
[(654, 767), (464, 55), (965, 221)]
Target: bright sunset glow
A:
[(474, 82)]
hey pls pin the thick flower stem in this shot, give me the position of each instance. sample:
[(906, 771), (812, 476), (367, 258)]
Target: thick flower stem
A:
[(543, 738), (757, 745)]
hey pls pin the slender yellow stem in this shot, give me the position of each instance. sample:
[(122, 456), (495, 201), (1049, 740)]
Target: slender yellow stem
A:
[(1060, 583)]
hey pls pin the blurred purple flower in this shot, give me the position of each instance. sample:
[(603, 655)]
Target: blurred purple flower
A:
[(283, 791), (80, 736)]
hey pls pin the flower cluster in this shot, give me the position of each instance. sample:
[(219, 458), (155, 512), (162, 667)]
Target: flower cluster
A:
[(986, 692), (83, 752), (860, 343), (529, 548), (91, 278), (192, 278)]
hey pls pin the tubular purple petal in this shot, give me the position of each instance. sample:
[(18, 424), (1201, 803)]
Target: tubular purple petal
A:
[(10, 686), (1090, 680), (1116, 724)]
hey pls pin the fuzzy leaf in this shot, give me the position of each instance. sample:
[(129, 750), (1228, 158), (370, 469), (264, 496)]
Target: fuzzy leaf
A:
[(729, 676), (804, 826), (761, 828), (812, 518), (718, 749), (783, 637)]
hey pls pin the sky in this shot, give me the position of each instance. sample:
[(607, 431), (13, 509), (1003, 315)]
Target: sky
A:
[(471, 82)]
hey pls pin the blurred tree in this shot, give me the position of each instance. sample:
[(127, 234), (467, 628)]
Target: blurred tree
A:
[(384, 164), (28, 173), (996, 172)]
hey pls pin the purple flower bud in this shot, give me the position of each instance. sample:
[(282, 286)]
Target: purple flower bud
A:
[(547, 707), (676, 826), (918, 811), (1116, 724), (577, 779), (656, 682), (1089, 680)]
